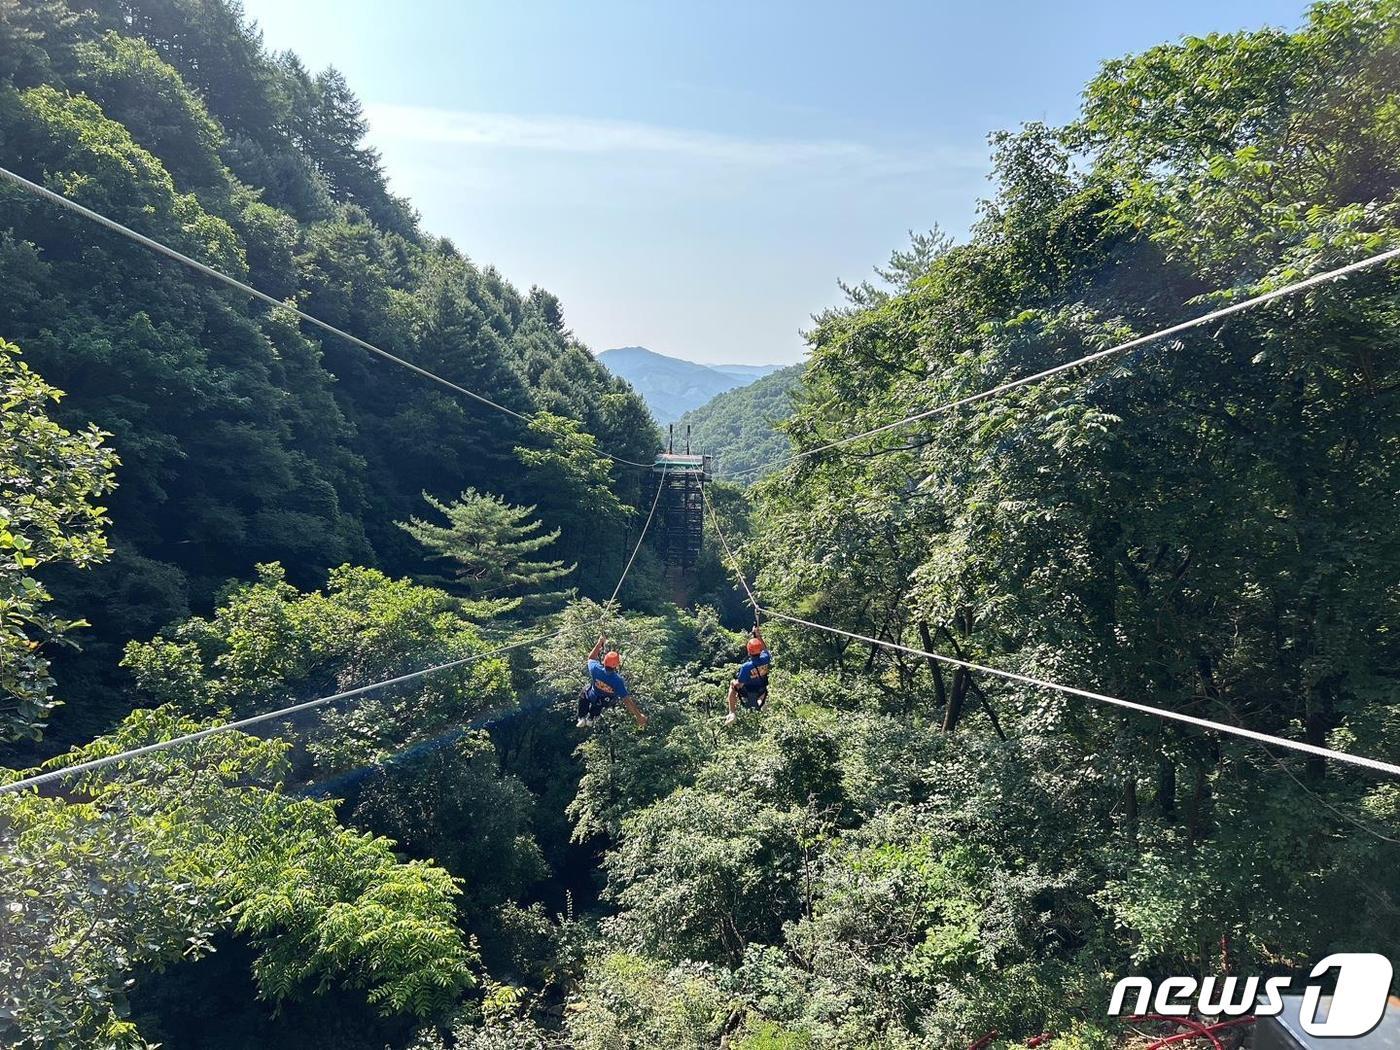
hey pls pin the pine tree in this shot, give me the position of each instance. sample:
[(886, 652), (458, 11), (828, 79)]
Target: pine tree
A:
[(489, 542), (339, 126)]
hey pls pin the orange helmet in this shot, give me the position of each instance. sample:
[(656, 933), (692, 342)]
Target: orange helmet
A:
[(755, 646), (613, 660)]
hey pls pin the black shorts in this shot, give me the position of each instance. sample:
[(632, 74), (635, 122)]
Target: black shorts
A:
[(593, 703), (754, 700)]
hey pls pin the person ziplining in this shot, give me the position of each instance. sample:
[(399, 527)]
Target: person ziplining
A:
[(750, 687), (606, 688)]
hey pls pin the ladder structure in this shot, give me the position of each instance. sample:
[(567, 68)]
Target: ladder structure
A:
[(682, 476)]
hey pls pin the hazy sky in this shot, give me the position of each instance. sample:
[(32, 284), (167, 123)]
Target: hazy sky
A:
[(695, 178)]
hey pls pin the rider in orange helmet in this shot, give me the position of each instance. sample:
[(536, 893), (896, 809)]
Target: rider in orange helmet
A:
[(752, 682), (605, 688)]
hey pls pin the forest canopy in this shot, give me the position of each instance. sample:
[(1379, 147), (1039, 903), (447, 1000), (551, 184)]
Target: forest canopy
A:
[(895, 852)]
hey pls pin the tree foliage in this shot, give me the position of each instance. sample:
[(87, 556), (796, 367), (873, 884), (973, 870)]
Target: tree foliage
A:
[(1200, 524), (490, 544), (739, 428), (159, 853), (50, 480), (894, 853), (270, 645)]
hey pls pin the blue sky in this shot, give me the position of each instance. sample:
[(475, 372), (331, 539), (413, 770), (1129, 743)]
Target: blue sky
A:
[(695, 178)]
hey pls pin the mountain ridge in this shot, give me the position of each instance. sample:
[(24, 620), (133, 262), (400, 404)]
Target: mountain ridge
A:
[(672, 386)]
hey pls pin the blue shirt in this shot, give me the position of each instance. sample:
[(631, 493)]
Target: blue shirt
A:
[(604, 683), (753, 673)]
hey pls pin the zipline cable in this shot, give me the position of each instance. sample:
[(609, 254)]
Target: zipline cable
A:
[(334, 783), (247, 289), (733, 558), (1160, 712), (1360, 825), (1131, 344), (232, 282), (106, 760), (1317, 798), (1147, 709), (661, 483)]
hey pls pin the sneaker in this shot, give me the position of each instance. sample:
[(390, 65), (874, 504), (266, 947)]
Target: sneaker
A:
[(730, 718), (584, 723)]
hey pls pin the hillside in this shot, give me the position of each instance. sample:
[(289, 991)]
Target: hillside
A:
[(738, 426), (244, 437), (670, 386)]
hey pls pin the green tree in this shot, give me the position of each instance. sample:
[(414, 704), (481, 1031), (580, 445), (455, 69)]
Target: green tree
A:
[(34, 39), (576, 490), (156, 855), (242, 438), (630, 1002), (269, 644), (1198, 524), (490, 543), (739, 428), (139, 90), (701, 874), (456, 807), (50, 481)]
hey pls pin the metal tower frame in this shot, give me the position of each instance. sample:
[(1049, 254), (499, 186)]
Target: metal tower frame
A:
[(682, 476)]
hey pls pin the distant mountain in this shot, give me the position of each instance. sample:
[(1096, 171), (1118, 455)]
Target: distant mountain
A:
[(738, 426), (670, 386)]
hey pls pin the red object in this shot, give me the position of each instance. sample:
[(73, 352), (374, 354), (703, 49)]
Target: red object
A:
[(755, 646), (1197, 1030), (1037, 1040), (613, 660), (985, 1041)]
